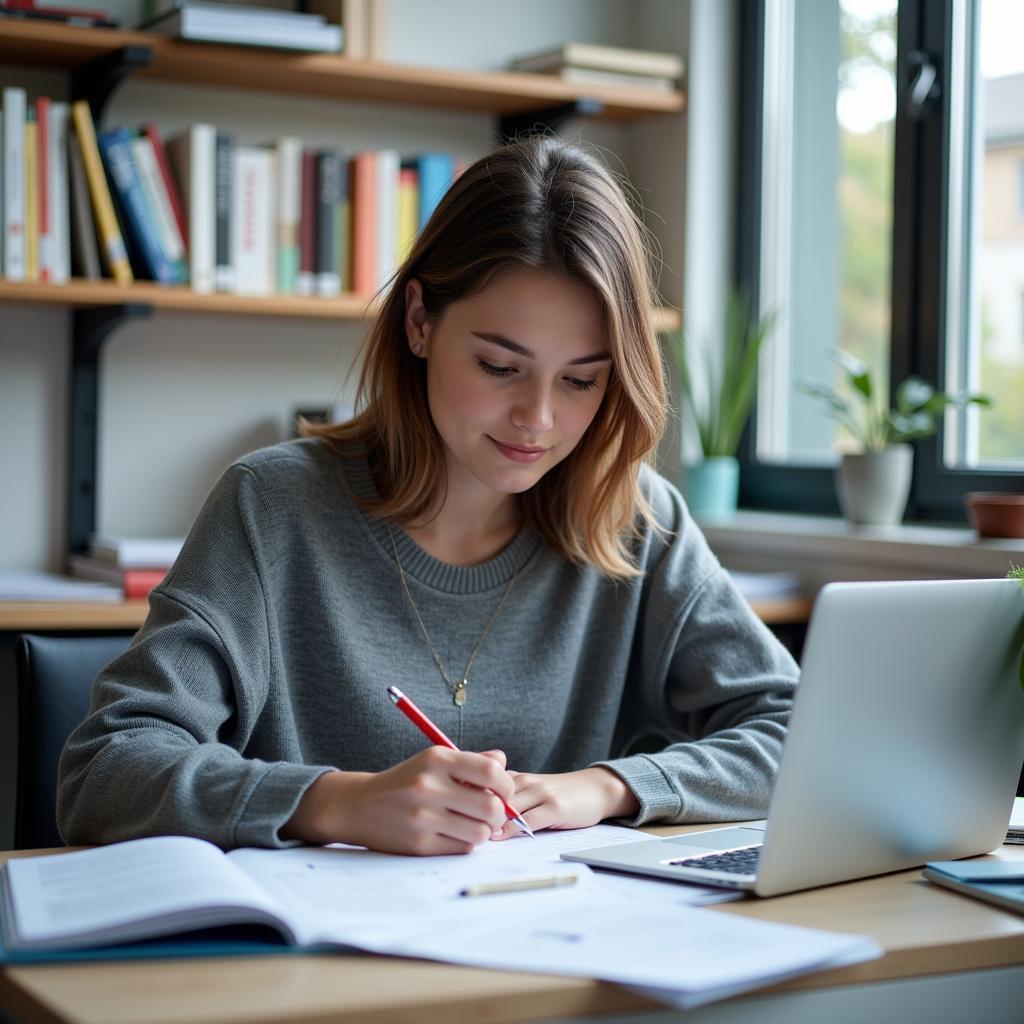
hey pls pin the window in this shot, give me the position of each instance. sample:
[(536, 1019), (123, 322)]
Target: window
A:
[(881, 153)]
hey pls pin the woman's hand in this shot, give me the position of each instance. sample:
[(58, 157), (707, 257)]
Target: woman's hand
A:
[(435, 802), (569, 800)]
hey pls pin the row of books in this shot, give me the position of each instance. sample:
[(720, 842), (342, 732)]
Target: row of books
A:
[(133, 565), (203, 210), (29, 10), (205, 21)]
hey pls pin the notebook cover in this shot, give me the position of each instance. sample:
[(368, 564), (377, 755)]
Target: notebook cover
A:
[(225, 941)]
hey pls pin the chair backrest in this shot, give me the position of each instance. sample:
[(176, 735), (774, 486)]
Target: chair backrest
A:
[(54, 679)]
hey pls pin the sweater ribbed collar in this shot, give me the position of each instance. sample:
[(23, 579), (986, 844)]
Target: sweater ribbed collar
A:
[(417, 563)]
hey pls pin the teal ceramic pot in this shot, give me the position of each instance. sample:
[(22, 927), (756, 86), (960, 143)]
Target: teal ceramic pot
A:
[(712, 487)]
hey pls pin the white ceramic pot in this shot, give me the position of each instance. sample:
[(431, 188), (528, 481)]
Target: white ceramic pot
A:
[(873, 487)]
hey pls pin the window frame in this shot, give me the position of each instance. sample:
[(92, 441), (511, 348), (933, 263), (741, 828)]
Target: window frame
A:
[(920, 251)]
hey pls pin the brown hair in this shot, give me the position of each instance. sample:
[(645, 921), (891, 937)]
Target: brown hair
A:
[(542, 204)]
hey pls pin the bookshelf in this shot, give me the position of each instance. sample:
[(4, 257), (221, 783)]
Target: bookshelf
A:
[(100, 61), (324, 75)]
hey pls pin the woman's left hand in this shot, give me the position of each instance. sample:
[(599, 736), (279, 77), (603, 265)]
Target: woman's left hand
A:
[(569, 800)]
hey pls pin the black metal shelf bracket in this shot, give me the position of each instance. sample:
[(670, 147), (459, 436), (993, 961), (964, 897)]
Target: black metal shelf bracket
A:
[(540, 121), (97, 79), (90, 329)]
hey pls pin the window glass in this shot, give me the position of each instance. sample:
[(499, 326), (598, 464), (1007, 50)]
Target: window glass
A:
[(986, 341), (829, 109)]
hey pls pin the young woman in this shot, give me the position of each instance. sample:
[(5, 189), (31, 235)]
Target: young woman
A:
[(485, 535)]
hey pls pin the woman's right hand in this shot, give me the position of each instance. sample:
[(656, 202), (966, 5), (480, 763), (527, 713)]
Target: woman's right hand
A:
[(436, 802)]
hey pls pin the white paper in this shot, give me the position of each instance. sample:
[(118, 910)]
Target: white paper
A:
[(350, 895), (689, 951), (638, 932)]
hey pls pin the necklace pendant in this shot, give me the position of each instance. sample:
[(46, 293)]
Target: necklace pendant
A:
[(459, 694)]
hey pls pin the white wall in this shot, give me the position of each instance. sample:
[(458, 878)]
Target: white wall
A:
[(182, 395)]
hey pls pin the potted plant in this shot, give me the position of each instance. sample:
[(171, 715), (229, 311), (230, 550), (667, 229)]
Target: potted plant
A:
[(873, 484), (1016, 572), (719, 390)]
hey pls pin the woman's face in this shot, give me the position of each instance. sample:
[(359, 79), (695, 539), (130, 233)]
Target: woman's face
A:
[(515, 375)]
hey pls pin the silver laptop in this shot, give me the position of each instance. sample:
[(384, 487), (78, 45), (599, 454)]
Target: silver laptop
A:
[(905, 745)]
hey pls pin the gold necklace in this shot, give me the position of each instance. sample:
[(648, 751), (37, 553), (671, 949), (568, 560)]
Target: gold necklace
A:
[(457, 690)]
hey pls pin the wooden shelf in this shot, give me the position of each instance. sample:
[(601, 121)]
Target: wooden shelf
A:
[(324, 75), (81, 294), (29, 615)]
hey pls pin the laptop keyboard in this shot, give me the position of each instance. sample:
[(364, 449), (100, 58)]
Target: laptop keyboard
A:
[(737, 862)]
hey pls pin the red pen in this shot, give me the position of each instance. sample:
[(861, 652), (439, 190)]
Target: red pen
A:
[(431, 731)]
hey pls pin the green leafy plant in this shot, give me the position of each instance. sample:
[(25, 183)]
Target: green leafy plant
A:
[(721, 406), (1016, 572), (872, 423)]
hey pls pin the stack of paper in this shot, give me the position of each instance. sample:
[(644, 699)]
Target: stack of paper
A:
[(768, 586), (35, 585)]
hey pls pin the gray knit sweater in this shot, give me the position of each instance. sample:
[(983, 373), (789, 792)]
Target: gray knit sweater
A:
[(268, 649)]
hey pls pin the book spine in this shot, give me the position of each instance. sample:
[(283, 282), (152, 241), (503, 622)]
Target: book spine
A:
[(192, 155), (45, 251), (253, 221), (328, 194), (159, 205), (152, 133), (115, 148), (102, 204), (85, 257), (355, 22), (408, 211), (2, 231), (14, 183), (224, 274), (59, 201), (388, 163), (436, 174), (139, 582), (343, 229), (307, 226), (363, 182), (289, 210), (31, 196)]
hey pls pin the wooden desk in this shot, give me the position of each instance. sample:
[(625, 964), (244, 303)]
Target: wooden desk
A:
[(26, 616), (924, 930)]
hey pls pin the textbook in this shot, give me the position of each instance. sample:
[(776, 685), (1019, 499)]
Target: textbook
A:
[(109, 895), (994, 881)]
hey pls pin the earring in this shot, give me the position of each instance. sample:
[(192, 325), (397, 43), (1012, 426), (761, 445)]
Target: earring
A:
[(417, 349)]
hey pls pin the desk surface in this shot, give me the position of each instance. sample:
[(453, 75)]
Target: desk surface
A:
[(29, 615), (923, 929)]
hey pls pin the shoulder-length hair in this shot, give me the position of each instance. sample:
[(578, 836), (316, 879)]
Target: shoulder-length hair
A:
[(542, 204)]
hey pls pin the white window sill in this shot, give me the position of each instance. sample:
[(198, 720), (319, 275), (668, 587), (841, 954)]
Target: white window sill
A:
[(822, 549)]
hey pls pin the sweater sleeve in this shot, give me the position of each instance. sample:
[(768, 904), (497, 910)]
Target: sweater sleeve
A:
[(160, 751), (713, 679)]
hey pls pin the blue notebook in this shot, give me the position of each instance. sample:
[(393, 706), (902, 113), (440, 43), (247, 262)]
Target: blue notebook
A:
[(994, 881)]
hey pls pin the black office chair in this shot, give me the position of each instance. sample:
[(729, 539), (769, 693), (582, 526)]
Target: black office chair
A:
[(54, 679)]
